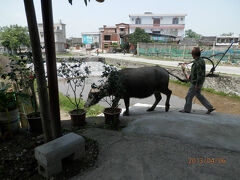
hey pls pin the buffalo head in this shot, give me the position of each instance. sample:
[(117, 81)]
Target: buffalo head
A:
[(94, 97)]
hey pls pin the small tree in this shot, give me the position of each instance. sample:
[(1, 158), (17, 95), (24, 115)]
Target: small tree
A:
[(76, 75), (22, 77), (125, 46), (13, 37), (227, 34), (191, 34), (139, 35), (111, 86)]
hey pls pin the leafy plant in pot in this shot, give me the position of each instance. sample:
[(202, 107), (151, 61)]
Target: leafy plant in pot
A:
[(9, 114), (75, 73), (110, 89), (22, 77)]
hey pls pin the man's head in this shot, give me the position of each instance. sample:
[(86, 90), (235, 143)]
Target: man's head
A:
[(196, 52)]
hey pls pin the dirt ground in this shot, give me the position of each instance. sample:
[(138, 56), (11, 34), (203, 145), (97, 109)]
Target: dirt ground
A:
[(17, 159), (222, 104)]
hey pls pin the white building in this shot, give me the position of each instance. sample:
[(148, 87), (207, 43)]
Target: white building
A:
[(227, 40), (59, 35), (91, 38), (167, 24)]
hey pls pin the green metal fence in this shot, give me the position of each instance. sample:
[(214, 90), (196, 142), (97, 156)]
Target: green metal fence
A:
[(180, 52)]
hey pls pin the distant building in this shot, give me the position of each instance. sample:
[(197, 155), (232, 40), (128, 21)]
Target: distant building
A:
[(74, 42), (166, 24), (227, 40), (212, 40), (59, 35), (113, 35), (91, 38), (207, 40)]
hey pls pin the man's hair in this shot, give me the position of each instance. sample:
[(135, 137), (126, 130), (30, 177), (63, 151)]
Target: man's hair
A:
[(196, 51)]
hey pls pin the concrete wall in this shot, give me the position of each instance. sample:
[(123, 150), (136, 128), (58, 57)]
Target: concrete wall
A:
[(223, 83)]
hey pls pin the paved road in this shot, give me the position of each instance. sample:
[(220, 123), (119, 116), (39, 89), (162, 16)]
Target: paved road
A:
[(130, 57)]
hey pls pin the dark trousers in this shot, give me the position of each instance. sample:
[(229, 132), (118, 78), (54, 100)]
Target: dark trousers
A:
[(190, 95)]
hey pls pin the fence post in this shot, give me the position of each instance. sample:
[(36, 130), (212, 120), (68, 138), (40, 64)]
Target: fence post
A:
[(170, 51), (229, 57), (138, 49), (184, 48), (213, 50)]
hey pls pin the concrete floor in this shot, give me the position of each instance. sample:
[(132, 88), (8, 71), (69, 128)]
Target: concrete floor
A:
[(173, 145)]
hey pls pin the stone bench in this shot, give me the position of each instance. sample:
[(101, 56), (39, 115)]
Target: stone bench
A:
[(50, 155)]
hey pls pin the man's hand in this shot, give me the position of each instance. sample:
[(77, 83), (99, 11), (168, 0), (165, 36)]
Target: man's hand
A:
[(196, 87)]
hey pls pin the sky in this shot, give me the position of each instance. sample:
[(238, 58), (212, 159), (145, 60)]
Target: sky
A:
[(206, 17)]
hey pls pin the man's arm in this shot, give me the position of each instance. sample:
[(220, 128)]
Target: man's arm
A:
[(183, 66), (200, 75)]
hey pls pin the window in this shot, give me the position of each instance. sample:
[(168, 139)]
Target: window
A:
[(138, 21), (175, 21), (181, 19), (121, 29), (107, 37), (156, 21)]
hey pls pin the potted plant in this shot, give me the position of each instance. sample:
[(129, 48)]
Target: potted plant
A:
[(9, 114), (22, 78), (111, 86), (34, 118), (75, 74)]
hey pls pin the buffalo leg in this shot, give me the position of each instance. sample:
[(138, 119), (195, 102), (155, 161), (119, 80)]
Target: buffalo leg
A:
[(126, 101), (158, 99), (168, 94)]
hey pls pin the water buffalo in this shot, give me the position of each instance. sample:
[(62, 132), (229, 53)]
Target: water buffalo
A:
[(137, 83)]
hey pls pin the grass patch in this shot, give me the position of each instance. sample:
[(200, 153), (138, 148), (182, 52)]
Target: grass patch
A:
[(210, 90), (65, 54), (67, 106), (221, 93), (180, 82), (160, 58)]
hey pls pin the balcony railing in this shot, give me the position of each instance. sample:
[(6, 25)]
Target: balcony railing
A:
[(157, 25)]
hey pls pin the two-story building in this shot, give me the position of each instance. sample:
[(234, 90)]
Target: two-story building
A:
[(166, 24), (91, 38), (59, 35), (113, 35)]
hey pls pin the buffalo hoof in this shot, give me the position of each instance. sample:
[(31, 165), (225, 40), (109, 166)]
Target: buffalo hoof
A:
[(125, 113), (150, 109), (166, 108)]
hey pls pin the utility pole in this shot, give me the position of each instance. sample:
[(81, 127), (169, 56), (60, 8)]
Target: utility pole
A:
[(47, 16), (39, 68)]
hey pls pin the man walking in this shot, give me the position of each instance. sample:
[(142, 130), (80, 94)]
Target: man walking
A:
[(196, 79)]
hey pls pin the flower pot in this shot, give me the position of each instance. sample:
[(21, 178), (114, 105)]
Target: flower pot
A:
[(78, 117), (35, 123), (9, 121), (112, 116)]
